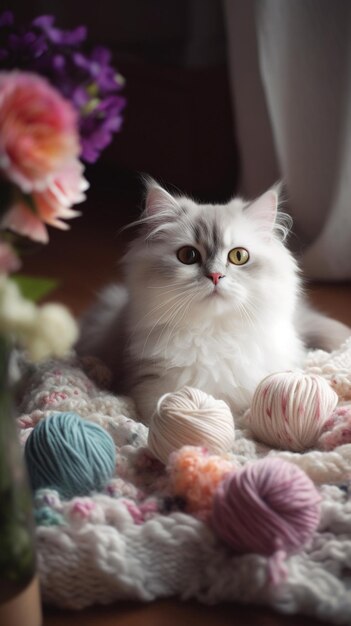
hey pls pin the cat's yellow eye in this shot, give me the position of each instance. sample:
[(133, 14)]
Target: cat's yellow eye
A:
[(188, 255), (238, 256)]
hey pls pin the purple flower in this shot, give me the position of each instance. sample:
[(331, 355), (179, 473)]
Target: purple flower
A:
[(60, 37), (6, 19), (100, 130), (99, 127), (86, 78)]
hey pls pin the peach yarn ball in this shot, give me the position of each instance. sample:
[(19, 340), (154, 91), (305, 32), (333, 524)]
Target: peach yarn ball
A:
[(289, 410), (195, 475), (190, 417)]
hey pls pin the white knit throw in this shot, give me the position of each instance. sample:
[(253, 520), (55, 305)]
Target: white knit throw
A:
[(125, 544)]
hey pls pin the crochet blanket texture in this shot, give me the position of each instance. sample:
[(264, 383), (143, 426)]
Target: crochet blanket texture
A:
[(134, 541)]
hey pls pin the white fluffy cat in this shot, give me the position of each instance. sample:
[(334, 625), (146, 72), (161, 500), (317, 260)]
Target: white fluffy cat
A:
[(212, 299)]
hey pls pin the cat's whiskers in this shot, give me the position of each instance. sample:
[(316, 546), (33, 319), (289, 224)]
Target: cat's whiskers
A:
[(174, 328), (175, 289), (182, 303), (170, 309), (178, 282), (153, 310), (246, 315), (255, 311)]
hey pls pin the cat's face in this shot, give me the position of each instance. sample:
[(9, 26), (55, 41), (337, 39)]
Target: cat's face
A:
[(193, 260)]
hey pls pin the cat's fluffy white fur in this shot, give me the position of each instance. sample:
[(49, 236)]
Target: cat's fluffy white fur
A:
[(170, 325)]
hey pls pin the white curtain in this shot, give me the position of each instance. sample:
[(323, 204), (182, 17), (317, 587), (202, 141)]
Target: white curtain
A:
[(290, 72)]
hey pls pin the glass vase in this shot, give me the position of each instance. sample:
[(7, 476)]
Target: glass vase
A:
[(19, 590)]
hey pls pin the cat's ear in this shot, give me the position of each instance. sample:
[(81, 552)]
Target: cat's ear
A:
[(158, 201), (264, 209)]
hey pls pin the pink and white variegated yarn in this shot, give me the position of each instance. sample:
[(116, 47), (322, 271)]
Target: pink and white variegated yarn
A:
[(134, 540)]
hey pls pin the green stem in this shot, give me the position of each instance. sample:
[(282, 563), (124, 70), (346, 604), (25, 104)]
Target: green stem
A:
[(17, 556)]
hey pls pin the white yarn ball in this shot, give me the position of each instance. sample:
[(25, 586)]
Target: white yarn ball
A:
[(190, 417), (289, 410)]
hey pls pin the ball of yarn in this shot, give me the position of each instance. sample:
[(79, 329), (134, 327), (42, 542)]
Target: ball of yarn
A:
[(194, 475), (337, 431), (69, 454), (289, 410), (268, 506), (190, 417)]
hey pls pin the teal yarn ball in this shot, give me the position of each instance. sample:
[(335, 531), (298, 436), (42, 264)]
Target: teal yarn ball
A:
[(69, 454)]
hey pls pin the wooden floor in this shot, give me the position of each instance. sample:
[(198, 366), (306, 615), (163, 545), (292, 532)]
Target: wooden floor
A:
[(84, 259), (175, 613)]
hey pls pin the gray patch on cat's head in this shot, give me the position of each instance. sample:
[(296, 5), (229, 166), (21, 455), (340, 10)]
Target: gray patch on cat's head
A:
[(208, 234)]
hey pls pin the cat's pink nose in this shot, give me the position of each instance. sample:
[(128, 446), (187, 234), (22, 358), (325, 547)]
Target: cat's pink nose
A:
[(215, 277)]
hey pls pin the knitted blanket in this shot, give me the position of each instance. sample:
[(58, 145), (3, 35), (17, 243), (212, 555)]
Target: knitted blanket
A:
[(134, 540)]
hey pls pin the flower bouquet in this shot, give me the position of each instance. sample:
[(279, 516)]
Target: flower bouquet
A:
[(59, 106)]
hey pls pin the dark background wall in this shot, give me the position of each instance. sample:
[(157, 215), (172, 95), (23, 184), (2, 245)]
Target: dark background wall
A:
[(178, 124)]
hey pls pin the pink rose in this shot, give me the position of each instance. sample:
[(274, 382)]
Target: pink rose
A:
[(49, 206), (38, 130), (67, 188)]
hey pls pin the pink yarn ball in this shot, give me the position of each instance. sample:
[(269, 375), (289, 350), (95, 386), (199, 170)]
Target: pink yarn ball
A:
[(337, 429), (289, 410), (267, 506)]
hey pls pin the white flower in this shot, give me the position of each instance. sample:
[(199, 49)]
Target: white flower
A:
[(17, 314), (49, 330), (53, 334)]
